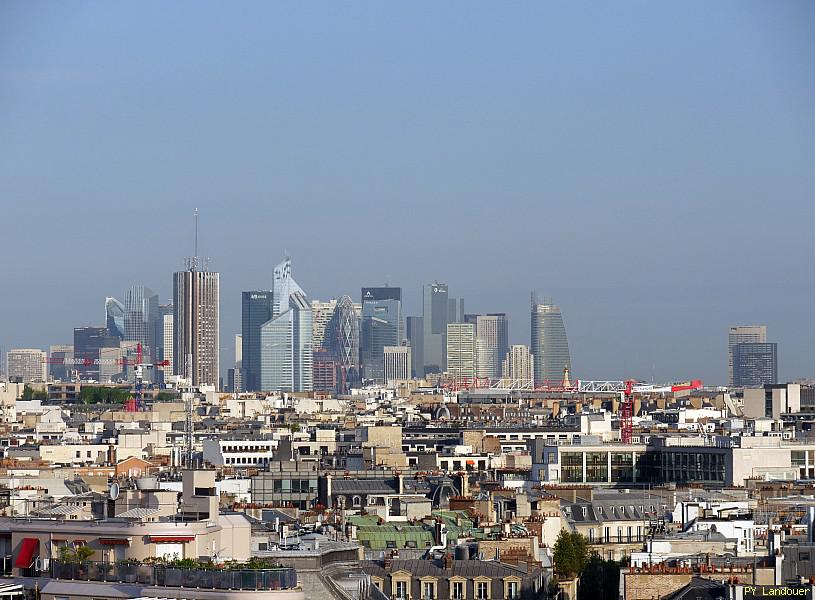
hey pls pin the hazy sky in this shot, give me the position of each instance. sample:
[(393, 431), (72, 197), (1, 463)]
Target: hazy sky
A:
[(649, 165)]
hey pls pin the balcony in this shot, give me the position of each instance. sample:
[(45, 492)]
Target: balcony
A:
[(235, 578)]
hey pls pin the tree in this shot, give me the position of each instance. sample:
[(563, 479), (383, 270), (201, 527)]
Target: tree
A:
[(600, 580), (75, 554), (570, 554), (29, 393)]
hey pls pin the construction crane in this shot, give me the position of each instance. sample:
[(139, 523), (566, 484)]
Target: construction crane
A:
[(136, 403)]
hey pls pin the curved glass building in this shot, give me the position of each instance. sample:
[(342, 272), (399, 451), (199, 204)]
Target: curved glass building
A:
[(342, 341), (550, 347), (115, 317)]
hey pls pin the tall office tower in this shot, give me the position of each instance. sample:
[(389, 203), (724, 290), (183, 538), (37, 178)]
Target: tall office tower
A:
[(491, 344), (461, 351), (236, 385), (519, 365), (435, 316), (381, 326), (321, 313), (163, 339), (455, 310), (341, 339), (88, 341), (256, 311), (755, 364), (115, 317), (61, 364), (196, 320), (549, 343), (283, 287), (742, 334), (324, 370), (415, 337), (30, 365), (286, 350), (140, 319), (397, 363), (167, 337), (286, 355)]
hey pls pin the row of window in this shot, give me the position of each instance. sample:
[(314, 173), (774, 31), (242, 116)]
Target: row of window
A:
[(458, 589)]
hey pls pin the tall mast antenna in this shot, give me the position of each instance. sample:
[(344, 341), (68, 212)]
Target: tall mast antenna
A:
[(195, 256)]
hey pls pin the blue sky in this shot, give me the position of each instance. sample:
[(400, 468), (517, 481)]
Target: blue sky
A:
[(651, 166)]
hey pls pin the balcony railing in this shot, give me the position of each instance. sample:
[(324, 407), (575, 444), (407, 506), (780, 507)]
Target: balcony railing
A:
[(283, 578)]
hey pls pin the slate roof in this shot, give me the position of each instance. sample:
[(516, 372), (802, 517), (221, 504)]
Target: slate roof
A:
[(699, 589), (362, 486), (435, 568)]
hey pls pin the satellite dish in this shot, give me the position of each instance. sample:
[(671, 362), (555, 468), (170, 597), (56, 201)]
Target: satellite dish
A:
[(114, 491)]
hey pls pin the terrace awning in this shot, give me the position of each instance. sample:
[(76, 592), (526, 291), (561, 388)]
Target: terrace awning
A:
[(114, 541), (171, 539), (28, 549)]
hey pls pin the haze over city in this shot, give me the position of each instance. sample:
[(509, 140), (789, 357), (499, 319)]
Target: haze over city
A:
[(649, 167)]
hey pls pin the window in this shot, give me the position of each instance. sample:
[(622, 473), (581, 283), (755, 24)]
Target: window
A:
[(428, 590), (512, 590), (482, 590), (356, 501), (401, 590), (458, 590)]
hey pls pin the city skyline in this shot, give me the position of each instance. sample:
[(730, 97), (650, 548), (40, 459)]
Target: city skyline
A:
[(227, 351), (617, 173)]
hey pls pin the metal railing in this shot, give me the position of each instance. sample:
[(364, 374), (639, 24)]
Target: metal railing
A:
[(283, 578)]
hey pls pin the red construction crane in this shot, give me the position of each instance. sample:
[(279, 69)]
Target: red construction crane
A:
[(627, 413)]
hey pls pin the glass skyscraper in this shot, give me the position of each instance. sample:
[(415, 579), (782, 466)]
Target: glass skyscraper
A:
[(115, 317), (286, 354), (550, 347), (342, 342), (491, 344), (755, 364), (742, 334), (381, 326), (141, 315), (285, 348), (256, 311)]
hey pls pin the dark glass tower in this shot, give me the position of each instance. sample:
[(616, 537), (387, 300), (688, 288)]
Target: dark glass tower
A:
[(381, 326), (550, 346), (257, 310), (755, 364)]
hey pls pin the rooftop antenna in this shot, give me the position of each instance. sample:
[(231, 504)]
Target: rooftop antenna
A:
[(195, 256)]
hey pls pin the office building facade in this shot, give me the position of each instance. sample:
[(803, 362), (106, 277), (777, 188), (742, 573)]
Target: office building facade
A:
[(397, 363), (115, 317), (414, 331), (321, 314), (435, 313), (550, 346), (141, 315), (286, 350), (61, 365), (519, 366), (381, 326), (341, 339), (256, 311), (461, 351), (286, 354), (755, 364), (88, 342), (742, 334), (491, 344), (196, 322), (29, 365)]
